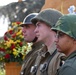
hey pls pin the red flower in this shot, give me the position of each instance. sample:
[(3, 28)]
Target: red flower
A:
[(5, 33), (5, 38), (20, 43), (7, 56), (2, 49), (14, 35), (18, 23), (11, 31), (12, 46)]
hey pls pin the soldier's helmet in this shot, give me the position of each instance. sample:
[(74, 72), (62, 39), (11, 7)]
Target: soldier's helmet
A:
[(49, 16), (27, 19), (67, 25)]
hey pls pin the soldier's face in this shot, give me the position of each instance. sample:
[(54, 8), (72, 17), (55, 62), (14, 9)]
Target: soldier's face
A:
[(28, 32), (64, 43), (42, 31)]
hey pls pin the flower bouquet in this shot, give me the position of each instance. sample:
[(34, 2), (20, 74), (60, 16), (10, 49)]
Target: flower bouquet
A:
[(13, 48)]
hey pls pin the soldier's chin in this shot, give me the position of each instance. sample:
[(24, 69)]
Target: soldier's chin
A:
[(59, 50)]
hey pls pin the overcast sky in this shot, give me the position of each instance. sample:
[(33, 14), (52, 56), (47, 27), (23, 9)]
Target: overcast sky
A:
[(5, 2), (4, 24)]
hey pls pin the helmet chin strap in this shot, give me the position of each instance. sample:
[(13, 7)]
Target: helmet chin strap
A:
[(35, 39)]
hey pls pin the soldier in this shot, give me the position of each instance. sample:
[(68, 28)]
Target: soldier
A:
[(48, 61), (66, 43), (29, 36)]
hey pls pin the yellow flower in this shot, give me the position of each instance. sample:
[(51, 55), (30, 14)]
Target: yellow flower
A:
[(15, 52), (19, 32), (21, 36), (14, 24), (17, 41)]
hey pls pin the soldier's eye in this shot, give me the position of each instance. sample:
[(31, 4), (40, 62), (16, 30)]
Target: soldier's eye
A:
[(60, 34), (38, 24)]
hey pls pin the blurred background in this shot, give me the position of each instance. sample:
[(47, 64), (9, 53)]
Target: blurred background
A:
[(16, 10)]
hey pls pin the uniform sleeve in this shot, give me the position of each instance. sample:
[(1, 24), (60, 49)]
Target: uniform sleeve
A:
[(67, 71)]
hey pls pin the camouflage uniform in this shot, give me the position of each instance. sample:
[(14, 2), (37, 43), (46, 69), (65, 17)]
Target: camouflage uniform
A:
[(67, 25)]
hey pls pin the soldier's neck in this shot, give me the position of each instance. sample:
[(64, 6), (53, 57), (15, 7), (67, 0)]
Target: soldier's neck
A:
[(49, 43)]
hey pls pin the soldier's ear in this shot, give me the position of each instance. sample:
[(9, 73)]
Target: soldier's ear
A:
[(74, 41)]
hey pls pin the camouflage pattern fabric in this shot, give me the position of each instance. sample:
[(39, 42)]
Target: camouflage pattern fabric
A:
[(67, 25)]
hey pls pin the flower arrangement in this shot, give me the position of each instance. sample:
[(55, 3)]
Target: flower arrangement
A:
[(13, 48)]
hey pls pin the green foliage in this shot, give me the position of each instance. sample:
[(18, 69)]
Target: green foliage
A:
[(2, 70)]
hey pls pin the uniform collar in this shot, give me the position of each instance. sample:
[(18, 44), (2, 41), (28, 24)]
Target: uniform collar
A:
[(37, 45), (42, 51), (52, 48), (73, 54)]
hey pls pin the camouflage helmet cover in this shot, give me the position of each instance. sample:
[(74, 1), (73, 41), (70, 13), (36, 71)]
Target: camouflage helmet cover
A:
[(67, 25), (49, 16)]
